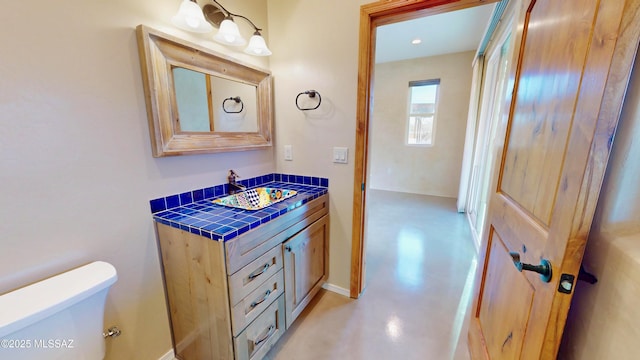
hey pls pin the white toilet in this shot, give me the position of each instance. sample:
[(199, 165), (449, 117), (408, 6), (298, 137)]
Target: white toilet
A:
[(57, 318)]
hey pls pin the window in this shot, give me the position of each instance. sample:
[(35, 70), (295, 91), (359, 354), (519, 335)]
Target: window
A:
[(423, 100)]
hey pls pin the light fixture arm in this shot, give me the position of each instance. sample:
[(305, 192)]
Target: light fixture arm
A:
[(230, 14)]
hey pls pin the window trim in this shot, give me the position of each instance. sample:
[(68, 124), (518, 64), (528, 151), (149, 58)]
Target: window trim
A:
[(413, 84)]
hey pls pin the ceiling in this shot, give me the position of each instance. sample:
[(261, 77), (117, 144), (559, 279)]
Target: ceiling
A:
[(445, 33)]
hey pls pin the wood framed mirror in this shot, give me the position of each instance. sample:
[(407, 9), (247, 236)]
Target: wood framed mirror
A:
[(199, 101)]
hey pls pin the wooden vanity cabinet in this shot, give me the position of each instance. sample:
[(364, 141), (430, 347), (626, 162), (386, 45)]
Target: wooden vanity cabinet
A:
[(305, 266), (235, 299)]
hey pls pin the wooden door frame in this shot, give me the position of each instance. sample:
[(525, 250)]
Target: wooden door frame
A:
[(371, 16)]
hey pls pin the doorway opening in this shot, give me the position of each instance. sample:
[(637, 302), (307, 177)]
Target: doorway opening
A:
[(415, 238), (372, 17)]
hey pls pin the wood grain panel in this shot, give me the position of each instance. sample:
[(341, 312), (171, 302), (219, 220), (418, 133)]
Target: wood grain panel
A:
[(611, 105), (196, 288), (305, 262), (501, 313), (518, 231), (253, 304), (567, 172), (254, 274), (544, 105), (246, 248), (256, 340), (614, 43)]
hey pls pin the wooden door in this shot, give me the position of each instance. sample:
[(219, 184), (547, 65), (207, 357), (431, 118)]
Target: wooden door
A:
[(305, 266), (569, 78)]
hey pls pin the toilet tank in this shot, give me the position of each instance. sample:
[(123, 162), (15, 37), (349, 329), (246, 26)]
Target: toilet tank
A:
[(57, 318)]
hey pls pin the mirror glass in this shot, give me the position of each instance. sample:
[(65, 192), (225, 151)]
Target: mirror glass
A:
[(199, 101), (209, 103)]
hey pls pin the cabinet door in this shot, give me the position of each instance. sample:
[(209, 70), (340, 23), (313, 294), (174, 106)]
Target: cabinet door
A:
[(305, 266)]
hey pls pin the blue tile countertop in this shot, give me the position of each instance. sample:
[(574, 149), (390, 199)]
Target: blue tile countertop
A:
[(195, 212)]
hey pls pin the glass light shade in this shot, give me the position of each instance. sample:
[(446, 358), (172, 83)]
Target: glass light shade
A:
[(191, 18), (229, 34), (257, 46)]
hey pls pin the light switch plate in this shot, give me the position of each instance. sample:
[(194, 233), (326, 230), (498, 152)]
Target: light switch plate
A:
[(288, 153), (341, 155)]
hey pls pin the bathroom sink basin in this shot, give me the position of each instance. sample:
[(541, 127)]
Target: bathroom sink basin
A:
[(255, 199)]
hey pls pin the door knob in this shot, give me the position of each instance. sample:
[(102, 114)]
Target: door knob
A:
[(544, 269)]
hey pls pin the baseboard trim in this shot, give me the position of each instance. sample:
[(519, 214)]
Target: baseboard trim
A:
[(170, 355), (476, 236), (336, 289)]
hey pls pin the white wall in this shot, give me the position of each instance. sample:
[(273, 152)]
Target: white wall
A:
[(427, 170), (315, 46), (76, 171)]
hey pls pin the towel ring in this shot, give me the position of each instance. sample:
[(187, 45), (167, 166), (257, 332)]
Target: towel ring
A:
[(237, 100), (312, 94)]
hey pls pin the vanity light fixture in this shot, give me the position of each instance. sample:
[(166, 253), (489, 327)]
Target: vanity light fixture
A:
[(229, 34), (257, 45), (190, 17)]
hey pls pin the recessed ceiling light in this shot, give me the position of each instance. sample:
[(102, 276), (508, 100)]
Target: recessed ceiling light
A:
[(416, 41)]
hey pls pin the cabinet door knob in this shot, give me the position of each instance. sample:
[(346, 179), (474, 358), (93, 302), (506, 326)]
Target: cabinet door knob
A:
[(288, 248)]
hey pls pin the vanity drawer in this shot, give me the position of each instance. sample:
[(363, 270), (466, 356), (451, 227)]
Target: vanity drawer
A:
[(252, 305), (243, 249), (256, 340), (250, 277)]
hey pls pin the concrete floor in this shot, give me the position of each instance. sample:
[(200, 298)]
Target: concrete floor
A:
[(420, 269)]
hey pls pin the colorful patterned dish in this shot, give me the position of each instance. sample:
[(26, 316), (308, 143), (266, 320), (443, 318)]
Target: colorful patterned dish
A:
[(255, 199)]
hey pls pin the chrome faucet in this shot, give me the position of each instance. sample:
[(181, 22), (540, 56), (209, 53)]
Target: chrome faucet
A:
[(234, 187)]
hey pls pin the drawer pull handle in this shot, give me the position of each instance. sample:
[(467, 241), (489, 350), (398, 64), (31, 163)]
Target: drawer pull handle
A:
[(254, 274), (265, 337), (266, 296)]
